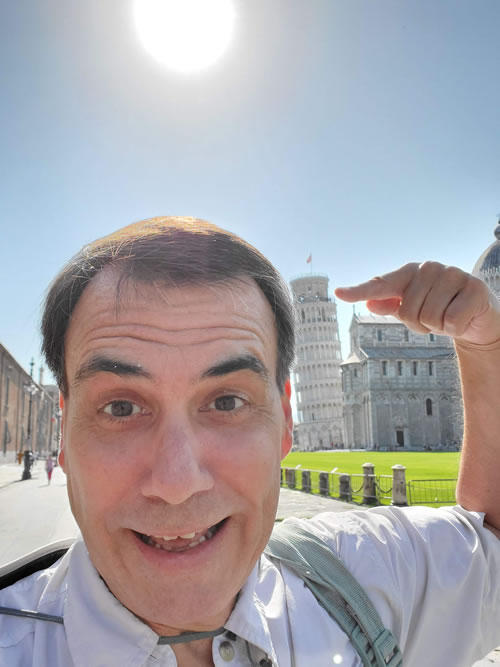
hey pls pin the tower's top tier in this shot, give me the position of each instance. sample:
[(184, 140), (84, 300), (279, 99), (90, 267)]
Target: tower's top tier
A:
[(310, 288)]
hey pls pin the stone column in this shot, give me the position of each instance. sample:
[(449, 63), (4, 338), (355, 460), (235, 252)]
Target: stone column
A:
[(369, 493), (399, 486)]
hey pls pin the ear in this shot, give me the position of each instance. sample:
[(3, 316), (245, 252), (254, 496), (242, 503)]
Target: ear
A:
[(60, 458), (287, 437)]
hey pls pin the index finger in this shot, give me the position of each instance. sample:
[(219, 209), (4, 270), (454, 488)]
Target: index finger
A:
[(390, 285)]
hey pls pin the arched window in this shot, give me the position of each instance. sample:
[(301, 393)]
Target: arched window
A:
[(303, 316), (323, 314), (428, 407), (379, 334)]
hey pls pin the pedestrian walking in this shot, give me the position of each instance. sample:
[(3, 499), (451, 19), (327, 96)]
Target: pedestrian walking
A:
[(49, 466)]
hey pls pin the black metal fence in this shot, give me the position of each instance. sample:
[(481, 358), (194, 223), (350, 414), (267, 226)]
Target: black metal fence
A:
[(432, 491)]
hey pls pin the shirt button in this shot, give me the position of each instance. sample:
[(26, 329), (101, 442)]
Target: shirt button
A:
[(226, 651)]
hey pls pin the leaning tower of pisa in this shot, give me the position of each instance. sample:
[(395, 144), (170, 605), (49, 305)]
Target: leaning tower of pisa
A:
[(317, 377)]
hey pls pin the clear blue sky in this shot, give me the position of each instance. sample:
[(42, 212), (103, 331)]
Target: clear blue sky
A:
[(364, 131)]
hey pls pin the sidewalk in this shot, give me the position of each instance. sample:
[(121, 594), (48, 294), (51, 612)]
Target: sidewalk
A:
[(306, 505)]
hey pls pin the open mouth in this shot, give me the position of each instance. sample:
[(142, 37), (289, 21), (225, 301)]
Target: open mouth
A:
[(178, 543)]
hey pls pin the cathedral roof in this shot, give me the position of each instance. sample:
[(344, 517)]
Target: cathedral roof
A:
[(429, 352), (351, 359), (490, 259), (377, 319)]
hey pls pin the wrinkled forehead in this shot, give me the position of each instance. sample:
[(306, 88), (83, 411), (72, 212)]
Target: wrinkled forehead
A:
[(113, 306)]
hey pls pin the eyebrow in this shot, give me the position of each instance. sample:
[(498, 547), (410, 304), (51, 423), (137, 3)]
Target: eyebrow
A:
[(101, 364), (244, 362)]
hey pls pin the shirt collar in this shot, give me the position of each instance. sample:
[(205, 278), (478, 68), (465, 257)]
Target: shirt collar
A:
[(248, 619), (113, 635)]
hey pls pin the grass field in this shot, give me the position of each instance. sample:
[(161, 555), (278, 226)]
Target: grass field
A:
[(419, 466)]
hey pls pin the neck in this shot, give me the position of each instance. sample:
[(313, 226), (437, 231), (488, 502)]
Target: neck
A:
[(194, 654)]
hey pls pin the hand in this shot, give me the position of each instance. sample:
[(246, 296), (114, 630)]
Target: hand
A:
[(433, 297)]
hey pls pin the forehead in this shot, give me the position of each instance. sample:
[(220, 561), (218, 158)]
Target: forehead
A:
[(113, 316)]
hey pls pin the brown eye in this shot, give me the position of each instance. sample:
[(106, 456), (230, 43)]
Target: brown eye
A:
[(227, 403), (121, 409)]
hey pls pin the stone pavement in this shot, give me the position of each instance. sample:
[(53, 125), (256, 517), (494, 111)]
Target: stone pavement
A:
[(291, 503), (306, 505)]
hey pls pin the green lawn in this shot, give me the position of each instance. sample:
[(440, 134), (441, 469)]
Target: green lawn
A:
[(419, 466)]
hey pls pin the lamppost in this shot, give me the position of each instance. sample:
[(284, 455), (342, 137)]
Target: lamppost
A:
[(58, 417), (28, 455)]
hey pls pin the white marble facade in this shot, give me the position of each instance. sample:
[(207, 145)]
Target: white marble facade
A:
[(401, 389), (317, 378)]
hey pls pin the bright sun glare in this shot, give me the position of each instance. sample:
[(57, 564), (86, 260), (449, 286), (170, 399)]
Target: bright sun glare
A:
[(185, 35)]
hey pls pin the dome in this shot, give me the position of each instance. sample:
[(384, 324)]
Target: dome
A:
[(489, 262)]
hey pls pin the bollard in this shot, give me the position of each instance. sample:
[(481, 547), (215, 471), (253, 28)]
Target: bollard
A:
[(290, 478), (369, 495), (324, 484), (399, 486), (345, 490), (306, 481)]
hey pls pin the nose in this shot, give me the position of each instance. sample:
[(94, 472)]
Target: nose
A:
[(177, 467)]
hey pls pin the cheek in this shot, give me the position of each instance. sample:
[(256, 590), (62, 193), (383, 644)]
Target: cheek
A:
[(251, 463), (98, 479)]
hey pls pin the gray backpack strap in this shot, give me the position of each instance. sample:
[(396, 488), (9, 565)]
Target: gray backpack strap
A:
[(337, 591)]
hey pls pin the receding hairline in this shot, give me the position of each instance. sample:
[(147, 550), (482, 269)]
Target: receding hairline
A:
[(113, 278)]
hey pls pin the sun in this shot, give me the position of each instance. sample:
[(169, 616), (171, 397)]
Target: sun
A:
[(185, 35)]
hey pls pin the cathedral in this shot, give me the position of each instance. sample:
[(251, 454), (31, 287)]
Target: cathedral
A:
[(401, 388)]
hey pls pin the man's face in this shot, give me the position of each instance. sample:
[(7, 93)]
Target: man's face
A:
[(173, 426)]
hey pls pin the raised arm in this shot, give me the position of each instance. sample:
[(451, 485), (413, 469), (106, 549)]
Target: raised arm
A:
[(431, 297)]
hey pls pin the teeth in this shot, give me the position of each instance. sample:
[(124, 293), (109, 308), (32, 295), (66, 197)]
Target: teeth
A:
[(188, 536)]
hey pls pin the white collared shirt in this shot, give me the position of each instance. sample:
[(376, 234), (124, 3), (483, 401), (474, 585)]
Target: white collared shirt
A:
[(433, 576)]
